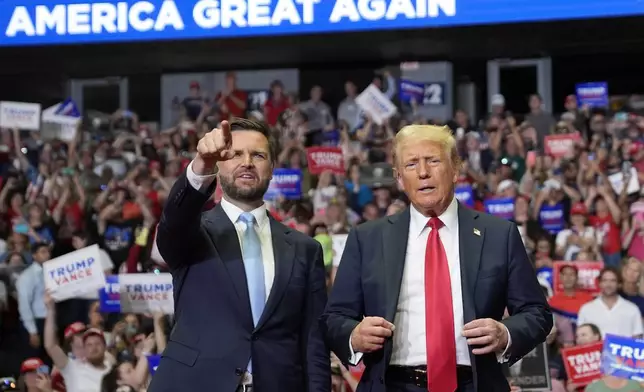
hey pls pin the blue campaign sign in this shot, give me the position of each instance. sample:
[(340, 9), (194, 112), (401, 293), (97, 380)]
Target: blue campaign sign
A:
[(153, 363), (503, 208), (552, 218), (285, 182), (623, 357), (544, 274), (109, 297), (93, 21), (432, 93), (593, 94), (465, 194)]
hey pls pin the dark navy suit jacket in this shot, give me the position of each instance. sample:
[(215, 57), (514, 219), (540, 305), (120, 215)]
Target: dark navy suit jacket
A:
[(213, 337), (495, 274)]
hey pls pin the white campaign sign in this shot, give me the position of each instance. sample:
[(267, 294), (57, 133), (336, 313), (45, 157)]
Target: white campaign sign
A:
[(58, 126), (339, 241), (75, 274), (20, 115), (617, 182), (376, 104), (146, 293)]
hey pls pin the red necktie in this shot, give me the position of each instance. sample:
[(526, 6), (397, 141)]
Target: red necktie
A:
[(439, 315)]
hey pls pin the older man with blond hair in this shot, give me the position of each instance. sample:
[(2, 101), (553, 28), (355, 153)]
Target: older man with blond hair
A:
[(419, 296)]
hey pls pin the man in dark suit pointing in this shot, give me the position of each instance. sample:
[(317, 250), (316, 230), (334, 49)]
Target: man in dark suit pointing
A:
[(419, 296), (248, 290)]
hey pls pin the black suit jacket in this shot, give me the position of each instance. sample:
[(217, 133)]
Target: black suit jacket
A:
[(495, 274), (213, 337)]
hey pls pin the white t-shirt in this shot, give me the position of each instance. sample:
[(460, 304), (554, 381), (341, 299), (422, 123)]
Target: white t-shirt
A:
[(623, 319), (83, 377)]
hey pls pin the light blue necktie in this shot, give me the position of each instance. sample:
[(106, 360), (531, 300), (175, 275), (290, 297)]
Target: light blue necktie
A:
[(254, 266)]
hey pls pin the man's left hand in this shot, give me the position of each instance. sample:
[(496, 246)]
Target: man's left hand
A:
[(490, 335)]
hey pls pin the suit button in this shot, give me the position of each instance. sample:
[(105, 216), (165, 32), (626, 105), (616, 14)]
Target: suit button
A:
[(239, 372), (382, 380), (255, 337)]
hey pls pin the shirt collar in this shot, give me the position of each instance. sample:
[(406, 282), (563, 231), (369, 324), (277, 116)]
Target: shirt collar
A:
[(418, 221), (233, 212)]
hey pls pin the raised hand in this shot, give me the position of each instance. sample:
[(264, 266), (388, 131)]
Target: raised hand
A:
[(215, 146)]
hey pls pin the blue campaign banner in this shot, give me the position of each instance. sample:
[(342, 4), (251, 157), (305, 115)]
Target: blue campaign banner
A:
[(623, 357), (285, 182), (95, 21), (109, 297), (503, 208), (411, 90), (593, 94), (552, 218), (68, 108), (465, 194), (431, 94), (153, 363)]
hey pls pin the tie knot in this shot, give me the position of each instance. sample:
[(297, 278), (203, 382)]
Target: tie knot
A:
[(435, 223), (247, 218)]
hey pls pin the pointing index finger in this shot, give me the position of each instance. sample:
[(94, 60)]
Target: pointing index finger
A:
[(225, 127)]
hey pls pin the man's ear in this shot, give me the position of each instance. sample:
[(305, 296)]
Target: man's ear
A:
[(398, 178)]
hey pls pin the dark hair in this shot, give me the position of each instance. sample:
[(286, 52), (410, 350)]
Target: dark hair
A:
[(242, 124), (83, 235), (110, 379), (592, 327), (572, 267), (36, 247), (610, 269)]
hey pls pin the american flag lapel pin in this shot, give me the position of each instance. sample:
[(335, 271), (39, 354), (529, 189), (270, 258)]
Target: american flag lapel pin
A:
[(477, 232)]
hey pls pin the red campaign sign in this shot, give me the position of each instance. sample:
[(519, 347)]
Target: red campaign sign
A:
[(587, 273), (559, 146), (583, 363), (321, 159)]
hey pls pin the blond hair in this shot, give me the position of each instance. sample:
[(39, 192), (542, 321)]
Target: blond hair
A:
[(441, 135)]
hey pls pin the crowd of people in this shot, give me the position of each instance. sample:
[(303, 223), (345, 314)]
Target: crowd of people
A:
[(109, 188)]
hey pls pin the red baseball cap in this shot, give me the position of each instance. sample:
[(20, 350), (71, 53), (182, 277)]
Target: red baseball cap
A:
[(578, 208), (194, 84), (93, 332), (31, 365), (74, 328)]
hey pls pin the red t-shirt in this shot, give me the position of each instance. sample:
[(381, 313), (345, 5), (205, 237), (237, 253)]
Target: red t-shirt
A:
[(610, 230), (233, 109), (569, 306), (155, 206), (273, 109)]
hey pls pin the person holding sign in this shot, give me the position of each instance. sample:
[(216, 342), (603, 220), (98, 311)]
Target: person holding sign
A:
[(248, 290), (419, 296)]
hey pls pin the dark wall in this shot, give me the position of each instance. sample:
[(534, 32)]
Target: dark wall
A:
[(589, 50)]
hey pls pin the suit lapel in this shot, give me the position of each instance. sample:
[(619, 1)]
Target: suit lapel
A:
[(470, 243), (394, 241), (284, 255), (226, 241)]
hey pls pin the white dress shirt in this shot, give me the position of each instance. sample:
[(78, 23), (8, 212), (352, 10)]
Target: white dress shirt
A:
[(262, 224), (409, 348)]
